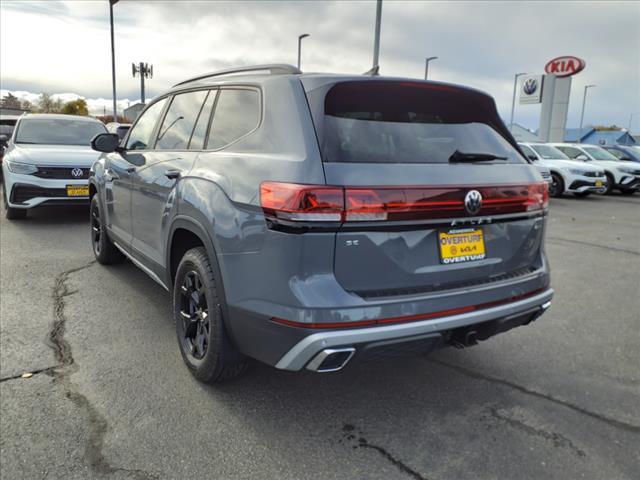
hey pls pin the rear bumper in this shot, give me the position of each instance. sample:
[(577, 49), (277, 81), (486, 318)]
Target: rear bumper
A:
[(489, 321)]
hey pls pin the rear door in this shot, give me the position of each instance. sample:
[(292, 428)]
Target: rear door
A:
[(403, 151)]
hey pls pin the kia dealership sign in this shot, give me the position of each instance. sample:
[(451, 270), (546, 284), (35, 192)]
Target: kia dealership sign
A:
[(564, 66)]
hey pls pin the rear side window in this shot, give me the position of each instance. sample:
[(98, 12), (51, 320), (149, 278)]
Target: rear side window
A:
[(175, 132), (141, 132), (237, 113), (406, 122)]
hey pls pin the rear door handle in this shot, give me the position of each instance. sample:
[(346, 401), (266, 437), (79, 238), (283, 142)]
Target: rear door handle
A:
[(172, 174)]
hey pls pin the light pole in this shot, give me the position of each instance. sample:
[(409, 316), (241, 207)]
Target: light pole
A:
[(113, 60), (426, 66), (513, 100), (300, 37), (584, 101), (629, 129), (376, 39)]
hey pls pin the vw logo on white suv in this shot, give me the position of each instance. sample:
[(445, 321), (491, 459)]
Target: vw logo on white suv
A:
[(473, 201), (76, 172), (530, 86)]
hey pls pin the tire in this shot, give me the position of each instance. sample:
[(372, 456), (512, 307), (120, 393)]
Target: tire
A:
[(556, 189), (582, 194), (104, 250), (627, 191), (197, 312), (12, 213), (610, 182)]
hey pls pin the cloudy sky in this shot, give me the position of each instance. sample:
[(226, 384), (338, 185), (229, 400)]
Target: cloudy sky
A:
[(63, 46)]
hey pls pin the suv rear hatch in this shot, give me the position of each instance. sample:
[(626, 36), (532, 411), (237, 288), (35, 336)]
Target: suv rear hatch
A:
[(407, 155)]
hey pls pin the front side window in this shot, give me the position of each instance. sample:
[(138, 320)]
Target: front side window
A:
[(406, 122), (141, 132), (236, 114), (49, 131), (547, 152), (570, 152), (600, 154), (175, 132)]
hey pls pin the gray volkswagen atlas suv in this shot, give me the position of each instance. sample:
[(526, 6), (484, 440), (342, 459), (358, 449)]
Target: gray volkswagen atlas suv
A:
[(308, 220)]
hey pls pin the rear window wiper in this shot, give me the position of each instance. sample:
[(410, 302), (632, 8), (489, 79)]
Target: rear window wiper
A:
[(459, 156)]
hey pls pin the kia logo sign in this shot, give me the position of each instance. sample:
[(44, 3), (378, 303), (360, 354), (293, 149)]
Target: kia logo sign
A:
[(530, 86), (564, 66)]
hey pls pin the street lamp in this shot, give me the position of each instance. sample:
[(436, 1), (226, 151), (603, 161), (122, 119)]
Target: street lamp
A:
[(584, 101), (513, 100), (629, 129), (113, 60), (300, 37), (426, 66), (376, 39)]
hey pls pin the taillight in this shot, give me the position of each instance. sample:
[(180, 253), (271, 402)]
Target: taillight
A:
[(318, 203), (303, 203)]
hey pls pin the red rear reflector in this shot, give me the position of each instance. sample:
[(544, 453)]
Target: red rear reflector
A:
[(311, 203)]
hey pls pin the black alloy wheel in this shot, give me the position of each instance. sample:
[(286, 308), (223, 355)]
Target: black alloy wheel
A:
[(196, 328), (96, 230), (556, 188)]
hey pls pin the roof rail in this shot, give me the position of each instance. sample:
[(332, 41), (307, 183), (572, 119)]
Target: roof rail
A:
[(273, 69)]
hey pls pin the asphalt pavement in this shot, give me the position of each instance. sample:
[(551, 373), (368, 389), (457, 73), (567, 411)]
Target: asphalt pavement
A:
[(109, 396)]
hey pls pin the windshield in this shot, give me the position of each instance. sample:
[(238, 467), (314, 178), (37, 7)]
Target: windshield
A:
[(600, 154), (547, 152), (51, 131), (406, 122)]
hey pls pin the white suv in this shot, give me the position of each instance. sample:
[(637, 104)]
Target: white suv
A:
[(567, 176), (620, 175)]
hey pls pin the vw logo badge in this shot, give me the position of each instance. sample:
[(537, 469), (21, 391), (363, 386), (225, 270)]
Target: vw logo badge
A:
[(473, 201), (530, 86), (76, 172)]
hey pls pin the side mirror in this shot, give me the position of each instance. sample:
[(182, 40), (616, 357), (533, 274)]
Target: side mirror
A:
[(582, 157), (106, 142), (532, 157)]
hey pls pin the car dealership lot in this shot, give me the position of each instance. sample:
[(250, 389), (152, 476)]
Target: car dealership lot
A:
[(557, 399)]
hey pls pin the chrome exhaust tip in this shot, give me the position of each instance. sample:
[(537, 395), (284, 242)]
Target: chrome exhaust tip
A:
[(331, 359)]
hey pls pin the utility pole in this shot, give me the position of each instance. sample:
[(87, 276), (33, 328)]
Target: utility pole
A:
[(513, 100), (145, 71), (376, 41), (300, 37), (113, 60), (426, 66), (629, 129), (584, 101)]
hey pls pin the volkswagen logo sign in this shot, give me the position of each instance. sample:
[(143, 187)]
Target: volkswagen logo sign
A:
[(473, 201), (76, 173), (530, 86)]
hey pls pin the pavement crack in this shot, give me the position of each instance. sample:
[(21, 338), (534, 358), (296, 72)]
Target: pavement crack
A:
[(629, 427), (97, 423), (590, 244), (349, 434), (558, 439)]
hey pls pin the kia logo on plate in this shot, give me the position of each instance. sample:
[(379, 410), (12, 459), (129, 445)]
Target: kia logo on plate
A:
[(76, 172), (473, 202), (530, 86)]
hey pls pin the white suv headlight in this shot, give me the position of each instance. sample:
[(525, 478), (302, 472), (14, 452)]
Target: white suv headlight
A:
[(23, 168), (577, 171)]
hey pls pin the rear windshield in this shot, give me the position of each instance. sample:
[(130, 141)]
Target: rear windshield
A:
[(57, 131), (406, 122)]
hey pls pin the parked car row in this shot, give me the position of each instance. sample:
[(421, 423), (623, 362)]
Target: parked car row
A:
[(583, 169)]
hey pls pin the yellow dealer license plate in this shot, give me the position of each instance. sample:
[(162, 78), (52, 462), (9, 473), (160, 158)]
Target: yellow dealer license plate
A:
[(598, 183), (461, 245), (77, 190)]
